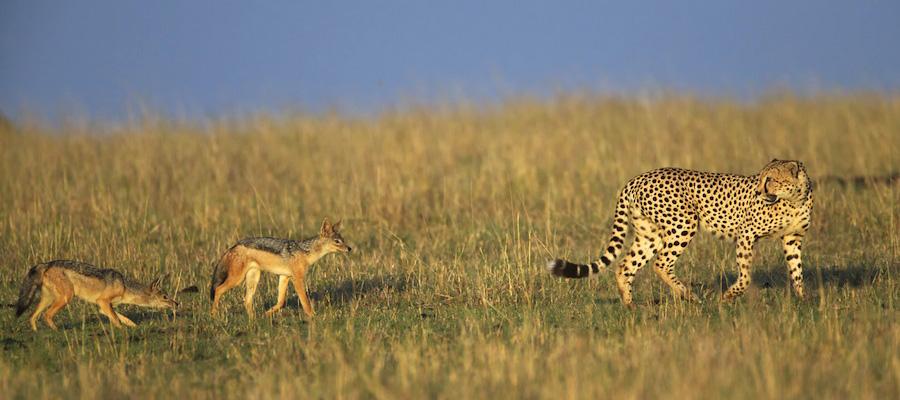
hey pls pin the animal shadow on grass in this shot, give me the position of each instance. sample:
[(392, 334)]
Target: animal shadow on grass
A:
[(602, 300), (95, 319), (135, 313), (139, 314), (350, 290), (837, 276)]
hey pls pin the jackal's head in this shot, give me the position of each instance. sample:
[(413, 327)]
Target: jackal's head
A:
[(330, 240), (783, 179), (151, 295)]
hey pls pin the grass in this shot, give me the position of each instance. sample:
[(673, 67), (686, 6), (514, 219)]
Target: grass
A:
[(452, 212)]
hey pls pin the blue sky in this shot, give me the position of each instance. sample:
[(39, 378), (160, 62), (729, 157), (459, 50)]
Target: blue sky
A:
[(218, 58)]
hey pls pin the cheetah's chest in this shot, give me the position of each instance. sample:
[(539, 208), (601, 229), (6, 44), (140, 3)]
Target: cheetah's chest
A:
[(783, 218)]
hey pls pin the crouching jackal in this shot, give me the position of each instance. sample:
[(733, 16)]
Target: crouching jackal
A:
[(289, 259), (62, 280)]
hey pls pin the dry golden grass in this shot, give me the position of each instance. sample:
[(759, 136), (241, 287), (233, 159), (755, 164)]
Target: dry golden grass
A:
[(454, 211)]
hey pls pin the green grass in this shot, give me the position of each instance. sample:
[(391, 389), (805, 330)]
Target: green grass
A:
[(452, 213)]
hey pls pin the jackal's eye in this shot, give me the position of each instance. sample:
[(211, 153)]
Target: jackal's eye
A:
[(337, 241)]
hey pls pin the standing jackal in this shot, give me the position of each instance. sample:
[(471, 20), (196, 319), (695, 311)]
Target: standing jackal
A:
[(289, 259), (62, 280)]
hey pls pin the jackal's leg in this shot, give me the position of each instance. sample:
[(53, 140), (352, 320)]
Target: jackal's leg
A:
[(58, 303), (46, 299), (63, 291), (107, 310), (304, 300), (283, 282), (252, 279), (125, 320), (235, 277)]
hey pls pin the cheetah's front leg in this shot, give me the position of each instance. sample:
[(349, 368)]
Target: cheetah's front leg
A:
[(744, 257), (792, 248)]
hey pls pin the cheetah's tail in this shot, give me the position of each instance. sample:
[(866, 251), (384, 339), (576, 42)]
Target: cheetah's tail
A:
[(567, 269)]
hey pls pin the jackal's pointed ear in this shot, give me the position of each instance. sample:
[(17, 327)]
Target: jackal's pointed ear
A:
[(337, 226), (326, 228), (156, 285)]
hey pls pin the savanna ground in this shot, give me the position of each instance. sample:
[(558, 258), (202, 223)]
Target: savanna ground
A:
[(452, 213)]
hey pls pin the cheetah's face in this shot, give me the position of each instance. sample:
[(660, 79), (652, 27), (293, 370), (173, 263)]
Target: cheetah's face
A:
[(781, 180)]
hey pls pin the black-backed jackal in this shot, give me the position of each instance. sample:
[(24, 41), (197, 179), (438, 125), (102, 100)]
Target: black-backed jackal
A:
[(62, 280), (289, 259)]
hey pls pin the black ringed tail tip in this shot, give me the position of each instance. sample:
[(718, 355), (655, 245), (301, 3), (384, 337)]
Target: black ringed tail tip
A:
[(568, 269)]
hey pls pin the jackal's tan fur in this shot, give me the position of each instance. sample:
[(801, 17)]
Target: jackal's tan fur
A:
[(62, 280), (289, 259)]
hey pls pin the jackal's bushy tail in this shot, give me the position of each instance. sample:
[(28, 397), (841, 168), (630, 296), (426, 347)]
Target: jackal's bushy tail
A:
[(567, 269), (220, 273), (30, 286)]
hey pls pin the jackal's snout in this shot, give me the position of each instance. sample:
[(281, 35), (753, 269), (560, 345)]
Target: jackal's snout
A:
[(164, 301)]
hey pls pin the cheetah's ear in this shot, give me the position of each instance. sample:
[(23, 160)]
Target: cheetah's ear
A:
[(794, 168), (326, 228), (773, 160)]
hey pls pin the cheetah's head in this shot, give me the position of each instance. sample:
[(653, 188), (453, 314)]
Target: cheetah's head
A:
[(783, 179)]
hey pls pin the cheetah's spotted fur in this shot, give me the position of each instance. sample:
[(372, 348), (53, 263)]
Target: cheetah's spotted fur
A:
[(667, 206)]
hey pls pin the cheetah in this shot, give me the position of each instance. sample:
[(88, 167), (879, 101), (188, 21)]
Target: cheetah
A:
[(666, 207)]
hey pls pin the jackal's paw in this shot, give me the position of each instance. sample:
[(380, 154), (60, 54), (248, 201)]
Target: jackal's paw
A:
[(272, 311)]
